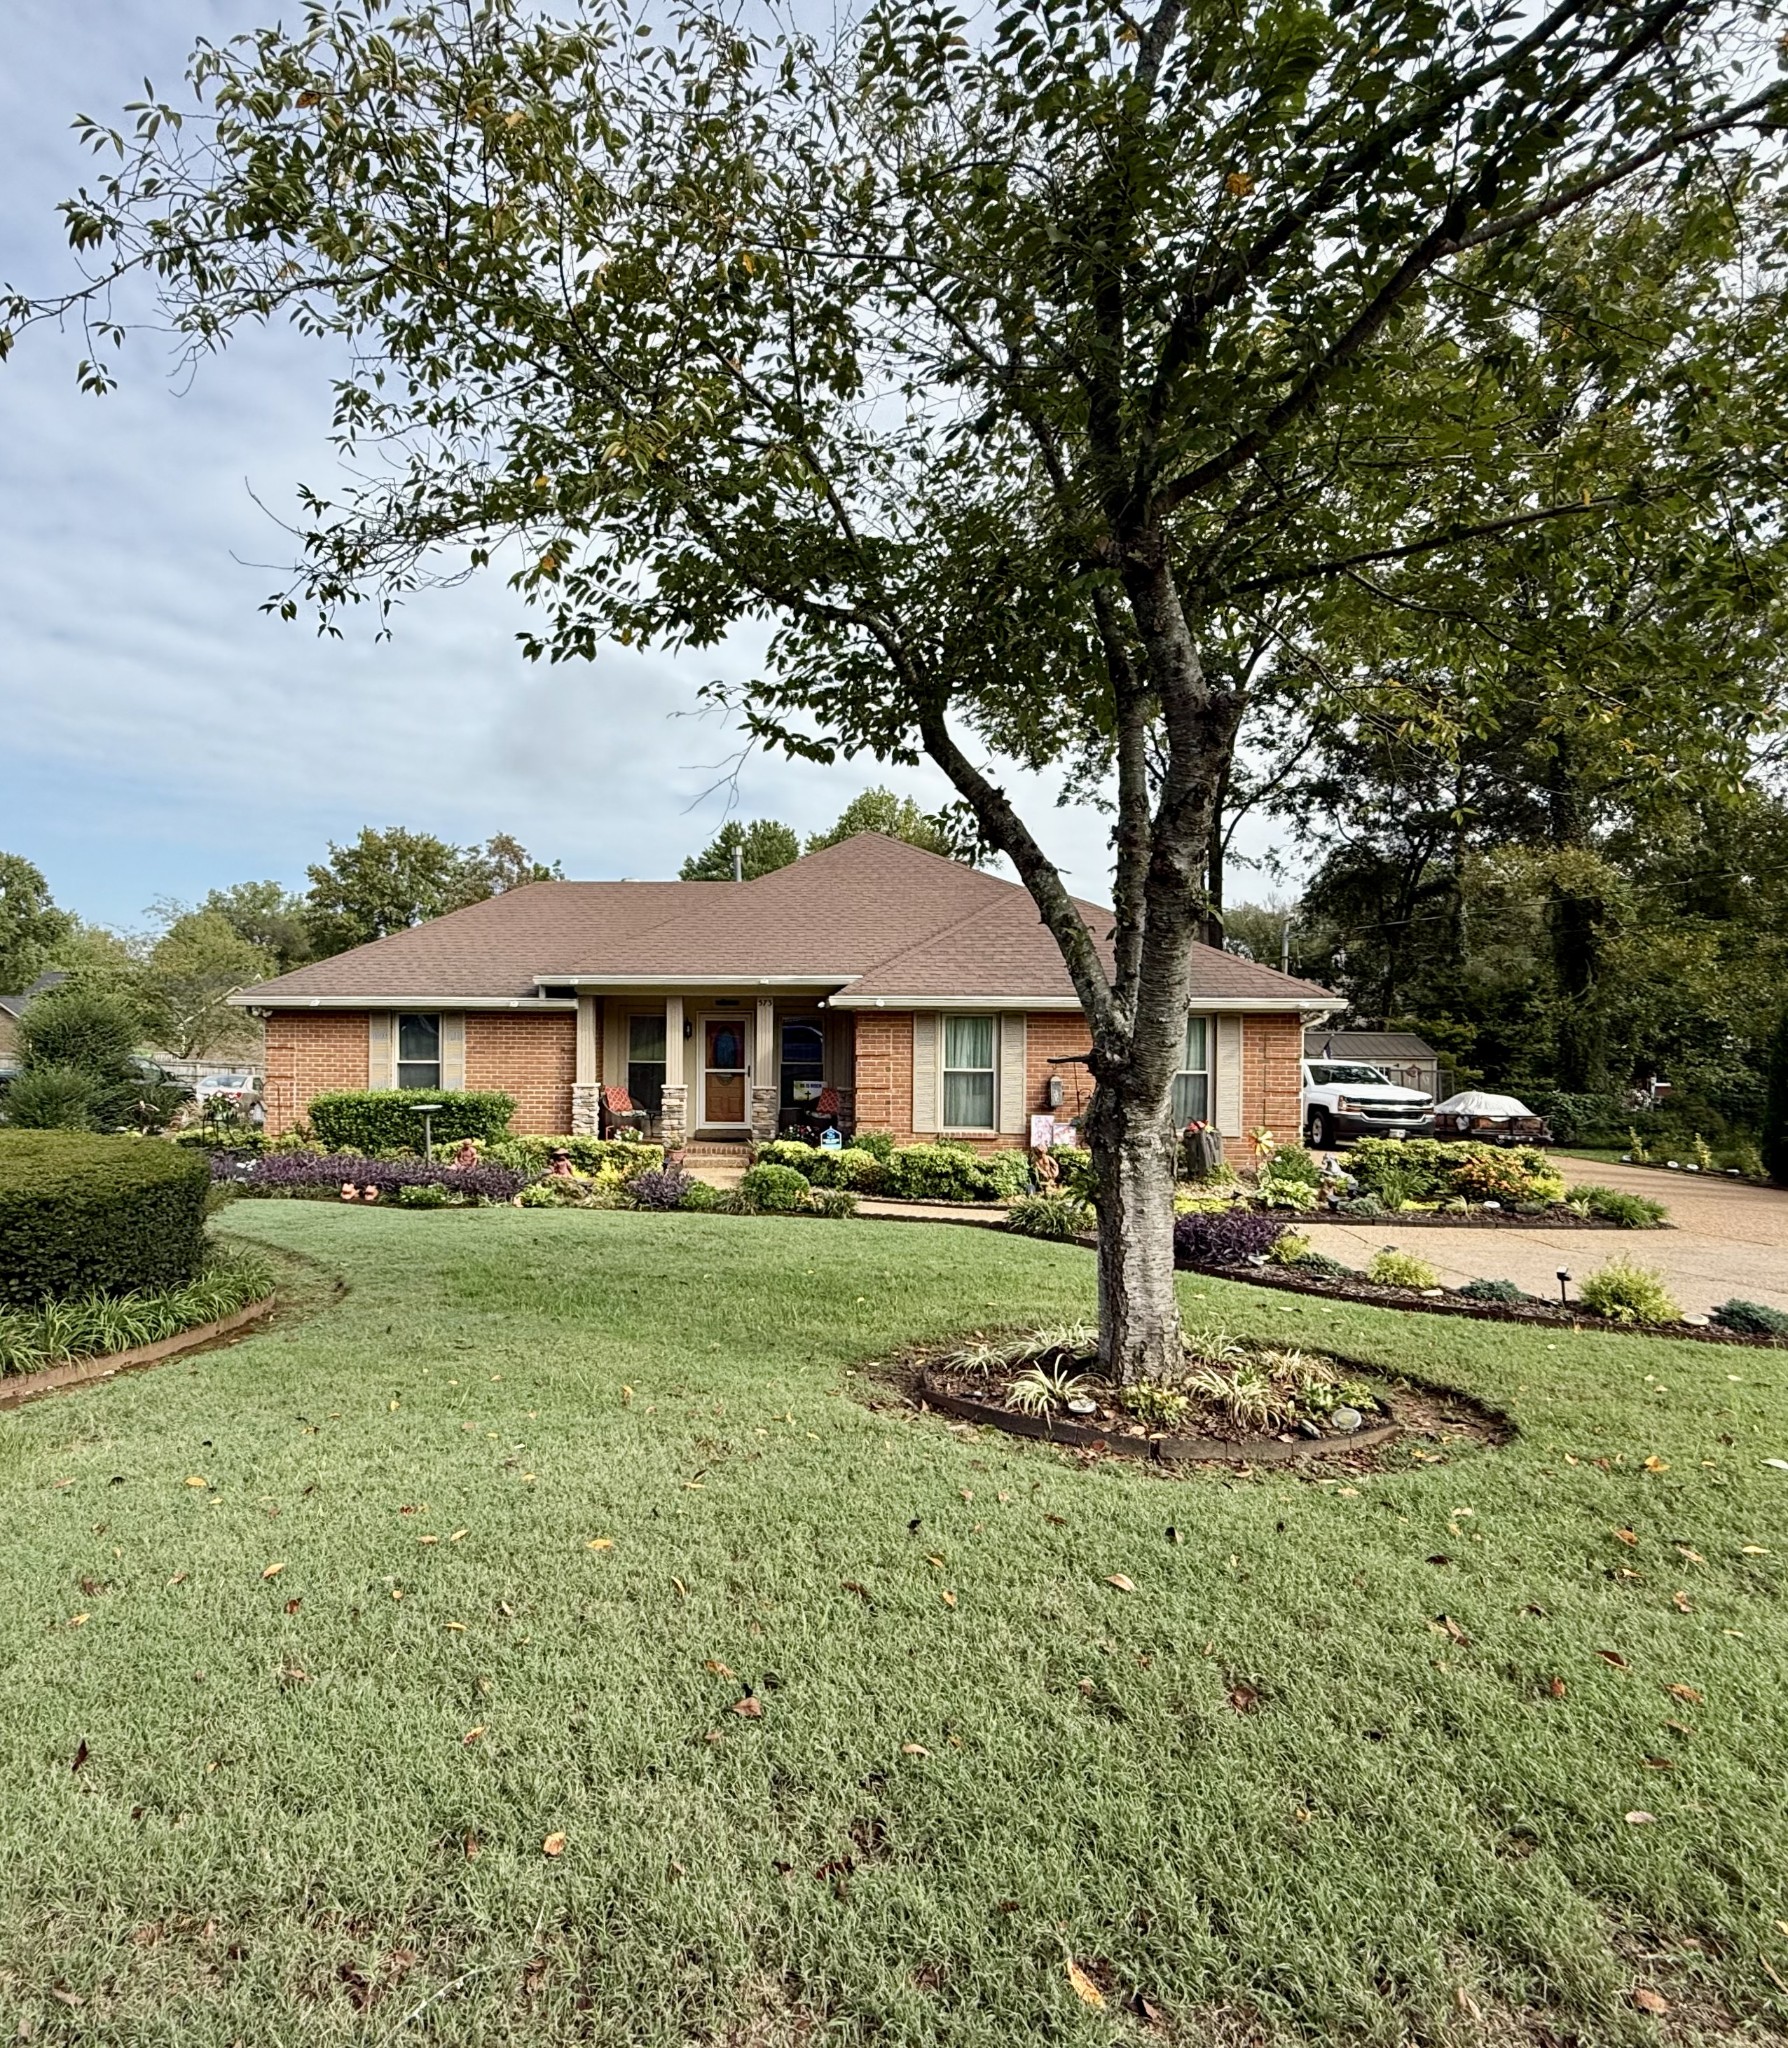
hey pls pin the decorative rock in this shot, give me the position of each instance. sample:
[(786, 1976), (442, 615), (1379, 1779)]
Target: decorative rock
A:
[(1080, 1405), (1696, 1322), (1346, 1420), (1492, 1205), (1308, 1428)]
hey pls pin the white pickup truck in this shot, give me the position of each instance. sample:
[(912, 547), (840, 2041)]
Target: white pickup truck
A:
[(1343, 1100)]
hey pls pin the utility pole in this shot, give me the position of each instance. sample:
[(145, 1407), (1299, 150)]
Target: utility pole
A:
[(1285, 946)]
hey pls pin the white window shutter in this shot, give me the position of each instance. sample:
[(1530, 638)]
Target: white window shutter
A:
[(925, 1072), (1229, 1077), (453, 1049), (1010, 1110), (381, 1049)]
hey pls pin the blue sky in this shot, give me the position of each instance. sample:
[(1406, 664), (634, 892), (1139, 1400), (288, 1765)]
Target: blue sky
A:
[(158, 735)]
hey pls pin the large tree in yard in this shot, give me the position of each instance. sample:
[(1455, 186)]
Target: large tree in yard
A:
[(1001, 365)]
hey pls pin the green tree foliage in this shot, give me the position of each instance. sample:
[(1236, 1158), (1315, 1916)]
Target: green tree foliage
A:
[(387, 881), (30, 923), (949, 832), (1775, 1108), (998, 372), (80, 1071), (762, 846), (268, 916), (193, 969), (92, 1029)]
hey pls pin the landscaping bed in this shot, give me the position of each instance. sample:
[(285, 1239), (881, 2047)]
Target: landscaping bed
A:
[(1555, 1217), (994, 1382), (1441, 1301)]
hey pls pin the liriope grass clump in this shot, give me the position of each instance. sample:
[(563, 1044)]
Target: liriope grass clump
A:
[(94, 1325)]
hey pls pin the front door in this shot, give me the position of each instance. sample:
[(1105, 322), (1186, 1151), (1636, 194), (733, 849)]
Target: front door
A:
[(723, 1073)]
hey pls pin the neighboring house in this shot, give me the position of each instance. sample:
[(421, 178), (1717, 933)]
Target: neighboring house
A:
[(12, 1008), (927, 994), (1405, 1060)]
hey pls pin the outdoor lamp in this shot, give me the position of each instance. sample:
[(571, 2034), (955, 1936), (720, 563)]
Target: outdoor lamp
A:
[(1564, 1282), (427, 1111)]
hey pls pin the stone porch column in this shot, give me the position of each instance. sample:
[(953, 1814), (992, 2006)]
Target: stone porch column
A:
[(764, 1101), (673, 1118)]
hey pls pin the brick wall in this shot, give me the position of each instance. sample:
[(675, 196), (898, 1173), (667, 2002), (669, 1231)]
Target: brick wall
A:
[(1272, 1076), (884, 1076), (1050, 1033), (311, 1052), (532, 1058)]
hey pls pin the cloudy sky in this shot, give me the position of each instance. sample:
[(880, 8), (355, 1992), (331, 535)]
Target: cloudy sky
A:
[(158, 735)]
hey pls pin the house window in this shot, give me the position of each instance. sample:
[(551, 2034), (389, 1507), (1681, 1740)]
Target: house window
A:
[(645, 1062), (968, 1073), (1192, 1084), (803, 1061), (419, 1052)]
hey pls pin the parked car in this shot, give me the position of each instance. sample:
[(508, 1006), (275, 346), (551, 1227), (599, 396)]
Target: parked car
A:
[(1344, 1099), (1490, 1119)]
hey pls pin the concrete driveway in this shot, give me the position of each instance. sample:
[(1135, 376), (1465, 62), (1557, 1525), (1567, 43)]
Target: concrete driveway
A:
[(1729, 1239)]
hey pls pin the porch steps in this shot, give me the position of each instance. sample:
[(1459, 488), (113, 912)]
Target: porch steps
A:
[(719, 1161)]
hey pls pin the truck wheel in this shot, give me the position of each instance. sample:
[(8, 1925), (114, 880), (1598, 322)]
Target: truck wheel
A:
[(1319, 1132)]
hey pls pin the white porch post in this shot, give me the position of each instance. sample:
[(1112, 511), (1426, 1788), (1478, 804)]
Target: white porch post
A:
[(587, 1077), (674, 1119)]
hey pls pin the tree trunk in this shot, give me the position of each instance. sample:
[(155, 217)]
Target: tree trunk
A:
[(1133, 1147)]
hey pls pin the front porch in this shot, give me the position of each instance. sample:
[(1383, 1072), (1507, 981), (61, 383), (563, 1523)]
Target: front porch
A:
[(711, 1066)]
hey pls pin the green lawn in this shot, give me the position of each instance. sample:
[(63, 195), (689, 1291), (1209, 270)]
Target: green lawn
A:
[(1410, 1838)]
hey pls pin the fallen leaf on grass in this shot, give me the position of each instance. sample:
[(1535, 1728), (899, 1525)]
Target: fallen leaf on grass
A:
[(1680, 1601), (458, 1627), (949, 1599), (554, 1845), (1752, 1550), (472, 1847), (1659, 1763), (1123, 1584), (77, 1621), (1625, 1536), (1686, 1693), (861, 1591), (1693, 1556), (1445, 1625), (914, 1749), (1557, 1688), (179, 1579), (1085, 1989), (600, 1543), (428, 1539), (82, 1753), (273, 1571), (749, 1708), (196, 1480), (1679, 1727), (1657, 1464), (292, 1606), (1650, 2001), (1639, 1818), (1243, 1698), (719, 1669), (457, 1534), (1613, 1657), (472, 1734)]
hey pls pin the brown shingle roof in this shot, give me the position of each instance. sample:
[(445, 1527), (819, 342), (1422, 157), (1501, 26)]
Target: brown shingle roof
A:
[(883, 916)]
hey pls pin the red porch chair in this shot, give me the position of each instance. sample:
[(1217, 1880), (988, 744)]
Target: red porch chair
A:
[(620, 1113)]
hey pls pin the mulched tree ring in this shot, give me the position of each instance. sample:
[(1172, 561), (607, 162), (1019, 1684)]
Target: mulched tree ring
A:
[(1410, 1412)]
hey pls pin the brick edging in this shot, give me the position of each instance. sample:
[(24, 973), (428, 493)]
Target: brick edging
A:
[(18, 1388)]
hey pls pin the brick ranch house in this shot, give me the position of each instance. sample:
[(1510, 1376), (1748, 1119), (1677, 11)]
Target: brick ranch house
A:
[(927, 994)]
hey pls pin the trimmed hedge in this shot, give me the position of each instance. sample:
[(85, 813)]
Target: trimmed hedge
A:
[(383, 1119), (531, 1154), (81, 1214)]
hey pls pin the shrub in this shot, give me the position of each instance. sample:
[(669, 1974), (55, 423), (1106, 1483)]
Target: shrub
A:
[(1006, 1173), (659, 1187), (623, 1157), (1054, 1216), (51, 1099), (1391, 1268), (1751, 1319), (87, 1028), (380, 1119), (422, 1194), (81, 1214), (1626, 1293), (880, 1143), (90, 1326), (1744, 1155), (775, 1190), (1363, 1205), (1237, 1237), (844, 1166), (834, 1202), (1292, 1162), (699, 1195), (1615, 1205), (935, 1173), (1493, 1173), (1399, 1170), (1155, 1403), (1575, 1118), (1493, 1290), (1775, 1104), (795, 1152), (1075, 1165), (1291, 1249), (1321, 1266), (1288, 1194), (318, 1175)]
